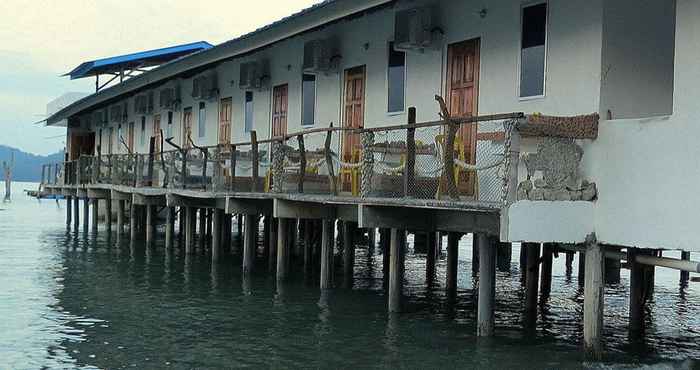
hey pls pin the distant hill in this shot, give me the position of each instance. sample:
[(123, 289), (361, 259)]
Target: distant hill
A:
[(27, 166)]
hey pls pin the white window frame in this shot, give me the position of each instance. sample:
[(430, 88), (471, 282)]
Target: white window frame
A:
[(524, 5), (386, 81)]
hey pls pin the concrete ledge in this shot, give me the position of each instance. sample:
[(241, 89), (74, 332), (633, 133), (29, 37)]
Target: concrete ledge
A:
[(424, 219), (149, 200), (248, 206), (548, 222)]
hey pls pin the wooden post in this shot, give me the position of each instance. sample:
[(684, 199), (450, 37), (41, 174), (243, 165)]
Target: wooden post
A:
[(348, 252), (569, 263), (581, 268), (169, 227), (308, 247), (531, 282), (593, 300), (612, 267), (639, 291), (475, 255), (546, 282), (217, 217), (685, 275), (189, 229), (108, 214), (69, 211), (504, 254), (86, 214), (452, 261), (272, 249), (226, 233), (385, 244), (487, 285), (329, 162), (233, 168), (202, 228), (431, 257), (523, 263), (249, 245), (150, 227), (396, 269), (255, 160), (409, 173), (302, 163), (76, 218), (282, 248), (132, 221), (327, 255)]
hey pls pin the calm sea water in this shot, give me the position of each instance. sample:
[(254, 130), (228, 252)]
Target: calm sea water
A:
[(77, 300)]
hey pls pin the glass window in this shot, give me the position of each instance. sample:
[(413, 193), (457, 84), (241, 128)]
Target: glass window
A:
[(396, 79), (248, 111), (169, 128), (308, 100), (533, 50), (202, 120), (143, 131)]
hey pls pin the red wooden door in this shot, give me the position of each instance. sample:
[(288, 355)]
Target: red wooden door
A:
[(225, 110), (353, 111), (463, 91), (279, 110)]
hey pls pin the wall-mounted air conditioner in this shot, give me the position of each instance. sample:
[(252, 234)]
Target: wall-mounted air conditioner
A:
[(99, 117), (170, 98), (322, 55), (254, 75), (205, 87), (415, 29), (141, 104), (151, 102)]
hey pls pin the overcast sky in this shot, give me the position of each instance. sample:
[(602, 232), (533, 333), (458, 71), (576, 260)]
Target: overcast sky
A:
[(43, 39)]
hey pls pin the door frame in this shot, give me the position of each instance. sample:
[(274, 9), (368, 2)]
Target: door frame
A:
[(272, 109), (346, 73)]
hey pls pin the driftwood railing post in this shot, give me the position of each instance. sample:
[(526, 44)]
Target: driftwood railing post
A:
[(233, 167), (448, 176), (329, 161), (302, 162), (409, 173), (254, 160), (151, 154)]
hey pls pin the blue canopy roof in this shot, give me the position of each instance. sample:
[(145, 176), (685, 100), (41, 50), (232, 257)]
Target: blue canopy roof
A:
[(136, 60)]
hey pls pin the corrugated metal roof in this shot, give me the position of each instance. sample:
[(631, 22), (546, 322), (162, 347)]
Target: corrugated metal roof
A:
[(141, 59)]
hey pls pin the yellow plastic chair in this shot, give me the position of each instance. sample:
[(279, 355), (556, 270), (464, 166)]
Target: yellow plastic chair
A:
[(352, 173)]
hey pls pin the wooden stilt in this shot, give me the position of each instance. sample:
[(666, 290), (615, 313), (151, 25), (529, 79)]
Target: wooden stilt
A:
[(452, 262), (396, 270), (217, 218), (202, 228), (95, 212), (593, 300), (108, 214), (430, 257), (272, 258), (523, 263), (487, 284), (226, 234), (249, 245), (504, 255), (685, 275), (149, 225), (569, 263), (86, 214), (69, 210), (612, 267), (639, 291), (475, 255), (385, 242), (266, 237), (169, 227), (348, 253), (327, 254), (546, 276), (531, 282), (120, 216), (133, 210), (189, 229), (371, 240), (581, 268), (282, 249), (76, 208), (308, 247)]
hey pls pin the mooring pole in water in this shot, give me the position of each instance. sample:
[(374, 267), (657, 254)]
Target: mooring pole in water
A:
[(546, 277), (327, 255), (396, 269), (169, 227), (349, 229), (108, 214), (76, 208), (593, 299), (248, 244), (685, 275), (452, 262), (69, 211), (149, 225), (431, 257), (487, 284), (217, 218), (282, 248), (189, 229), (531, 282), (273, 240)]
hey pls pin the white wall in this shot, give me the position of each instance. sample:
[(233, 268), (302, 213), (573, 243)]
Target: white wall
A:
[(638, 49)]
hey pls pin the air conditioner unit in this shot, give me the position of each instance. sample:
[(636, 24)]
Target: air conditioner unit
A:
[(141, 104), (115, 113), (413, 29), (254, 75), (321, 55), (151, 102), (98, 117), (170, 98), (205, 87)]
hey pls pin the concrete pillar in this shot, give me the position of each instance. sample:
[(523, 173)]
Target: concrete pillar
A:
[(348, 252), (266, 236), (282, 249), (546, 276), (504, 255), (639, 291), (327, 255), (431, 257), (132, 221), (239, 220), (76, 207), (452, 262), (272, 250), (226, 234), (108, 214), (396, 269), (593, 300), (475, 255), (487, 284), (189, 229), (150, 227), (612, 267), (249, 245), (202, 228), (385, 243), (69, 210), (169, 227), (120, 216), (531, 282), (217, 218), (86, 214), (685, 275)]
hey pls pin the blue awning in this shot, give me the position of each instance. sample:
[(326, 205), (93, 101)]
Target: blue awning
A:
[(136, 60)]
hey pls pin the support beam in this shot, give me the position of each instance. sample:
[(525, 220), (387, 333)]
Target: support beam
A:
[(396, 269), (475, 255), (308, 247), (504, 255), (249, 244), (612, 266), (487, 284), (349, 229), (581, 268), (452, 262), (531, 282), (569, 263), (282, 248), (95, 212), (593, 300), (327, 255), (226, 233), (120, 216), (385, 244), (217, 218), (169, 227)]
